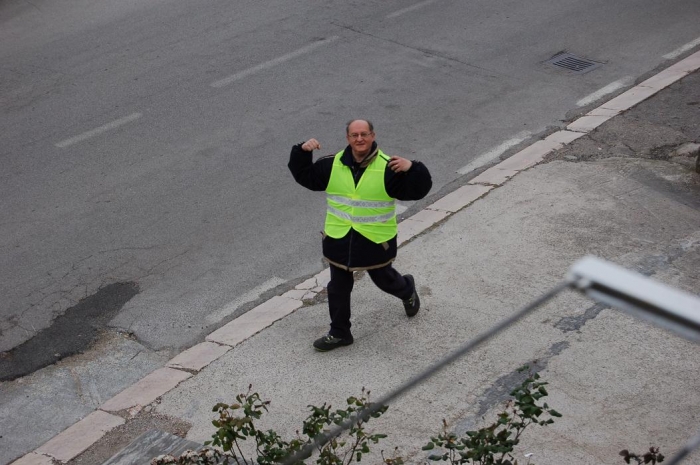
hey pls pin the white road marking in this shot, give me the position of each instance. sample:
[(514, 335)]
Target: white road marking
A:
[(400, 208), (609, 89), (681, 50), (274, 62), (249, 296), (94, 132), (410, 8), (494, 153)]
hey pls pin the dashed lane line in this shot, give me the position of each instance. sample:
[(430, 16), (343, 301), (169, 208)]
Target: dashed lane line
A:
[(410, 8), (681, 50), (97, 131), (609, 89), (274, 62)]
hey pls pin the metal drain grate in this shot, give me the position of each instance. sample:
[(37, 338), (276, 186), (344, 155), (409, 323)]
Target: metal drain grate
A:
[(573, 63)]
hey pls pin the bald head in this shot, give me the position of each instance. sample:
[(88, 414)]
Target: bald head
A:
[(369, 127)]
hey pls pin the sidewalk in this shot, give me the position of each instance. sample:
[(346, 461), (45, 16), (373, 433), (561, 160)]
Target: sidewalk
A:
[(619, 183)]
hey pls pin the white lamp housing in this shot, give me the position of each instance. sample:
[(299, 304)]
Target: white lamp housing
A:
[(638, 295)]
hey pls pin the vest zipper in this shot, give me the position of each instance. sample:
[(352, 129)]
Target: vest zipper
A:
[(356, 176)]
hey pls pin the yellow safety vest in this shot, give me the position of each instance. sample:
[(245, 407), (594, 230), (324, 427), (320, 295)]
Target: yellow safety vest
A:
[(366, 208)]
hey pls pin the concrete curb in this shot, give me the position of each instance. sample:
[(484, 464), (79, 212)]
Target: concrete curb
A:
[(77, 438), (80, 436), (146, 390), (33, 458)]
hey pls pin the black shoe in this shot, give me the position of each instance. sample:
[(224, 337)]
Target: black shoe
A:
[(412, 304), (329, 342)]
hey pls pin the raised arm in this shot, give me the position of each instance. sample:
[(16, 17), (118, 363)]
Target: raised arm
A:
[(407, 180), (313, 176)]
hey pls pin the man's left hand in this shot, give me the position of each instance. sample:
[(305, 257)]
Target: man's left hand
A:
[(398, 164)]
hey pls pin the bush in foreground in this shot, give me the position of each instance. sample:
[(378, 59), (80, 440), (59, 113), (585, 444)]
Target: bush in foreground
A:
[(491, 445)]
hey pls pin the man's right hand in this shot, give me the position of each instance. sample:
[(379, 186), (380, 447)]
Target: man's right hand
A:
[(310, 145)]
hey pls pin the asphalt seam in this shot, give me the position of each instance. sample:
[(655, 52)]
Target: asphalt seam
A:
[(75, 439)]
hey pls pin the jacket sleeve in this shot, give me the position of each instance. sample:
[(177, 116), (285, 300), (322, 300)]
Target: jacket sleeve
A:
[(413, 184), (313, 176)]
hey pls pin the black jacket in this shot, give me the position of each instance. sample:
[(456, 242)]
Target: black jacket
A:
[(354, 251)]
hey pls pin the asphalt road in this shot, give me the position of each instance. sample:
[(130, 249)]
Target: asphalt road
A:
[(147, 142)]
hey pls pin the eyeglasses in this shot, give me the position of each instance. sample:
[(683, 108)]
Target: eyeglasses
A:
[(356, 136)]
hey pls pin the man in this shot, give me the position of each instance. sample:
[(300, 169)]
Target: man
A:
[(361, 183)]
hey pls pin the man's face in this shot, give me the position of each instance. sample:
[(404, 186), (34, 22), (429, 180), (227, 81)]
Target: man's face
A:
[(360, 138)]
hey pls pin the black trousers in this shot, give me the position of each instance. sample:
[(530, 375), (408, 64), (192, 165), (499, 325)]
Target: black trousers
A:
[(340, 286)]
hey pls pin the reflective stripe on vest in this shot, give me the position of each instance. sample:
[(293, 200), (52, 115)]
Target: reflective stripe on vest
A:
[(366, 208), (360, 203), (361, 219)]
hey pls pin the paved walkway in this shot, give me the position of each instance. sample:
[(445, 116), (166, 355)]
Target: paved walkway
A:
[(618, 182)]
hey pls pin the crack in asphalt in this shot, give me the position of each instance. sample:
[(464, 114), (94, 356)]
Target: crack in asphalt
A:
[(490, 73), (500, 390)]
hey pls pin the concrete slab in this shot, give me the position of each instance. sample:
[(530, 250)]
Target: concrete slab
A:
[(33, 459), (80, 436), (197, 357), (493, 176), (663, 79), (563, 137), (430, 216), (408, 229), (586, 124), (254, 321), (628, 99), (324, 277), (529, 156), (299, 294), (296, 294), (600, 111), (418, 223), (460, 198), (308, 284), (146, 390)]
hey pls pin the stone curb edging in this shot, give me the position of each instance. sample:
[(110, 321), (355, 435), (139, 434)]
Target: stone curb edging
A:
[(80, 436), (33, 458), (77, 438), (146, 390)]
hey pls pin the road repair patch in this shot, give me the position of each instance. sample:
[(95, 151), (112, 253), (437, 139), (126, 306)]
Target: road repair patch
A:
[(70, 333)]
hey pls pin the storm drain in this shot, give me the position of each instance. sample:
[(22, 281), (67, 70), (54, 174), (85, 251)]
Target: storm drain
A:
[(573, 63)]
